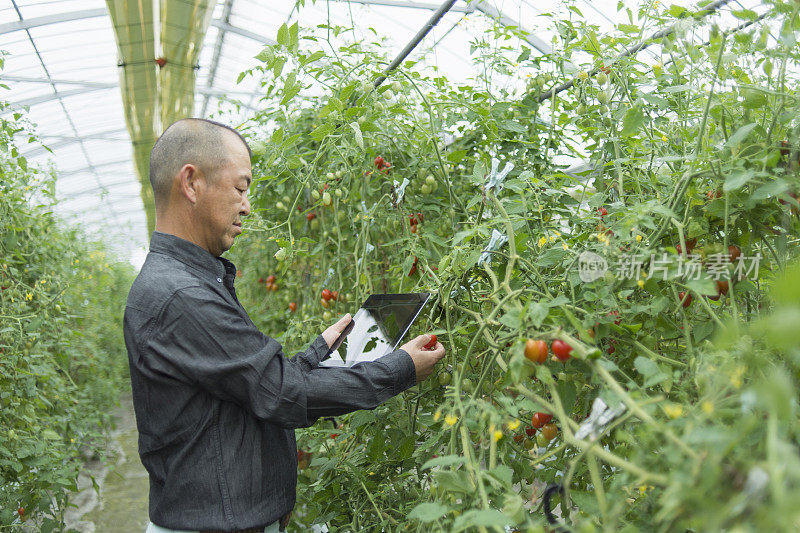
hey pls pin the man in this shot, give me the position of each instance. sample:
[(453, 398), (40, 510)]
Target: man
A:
[(216, 401)]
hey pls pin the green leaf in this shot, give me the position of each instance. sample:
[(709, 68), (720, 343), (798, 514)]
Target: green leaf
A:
[(634, 118), (480, 517), (428, 511), (740, 135), (357, 135), (445, 460), (283, 35), (645, 366), (738, 179)]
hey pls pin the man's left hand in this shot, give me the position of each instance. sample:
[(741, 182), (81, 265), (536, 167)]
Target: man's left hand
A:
[(333, 332)]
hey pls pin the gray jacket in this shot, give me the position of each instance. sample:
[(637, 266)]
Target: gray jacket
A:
[(217, 401)]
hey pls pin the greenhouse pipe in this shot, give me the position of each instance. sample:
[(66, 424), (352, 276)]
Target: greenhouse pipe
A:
[(636, 48), (433, 21)]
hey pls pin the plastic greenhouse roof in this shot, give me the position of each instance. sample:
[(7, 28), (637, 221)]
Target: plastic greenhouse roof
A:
[(62, 64)]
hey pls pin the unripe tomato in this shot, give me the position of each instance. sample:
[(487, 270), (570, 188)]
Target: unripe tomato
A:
[(326, 198), (430, 180), (425, 189), (292, 307), (444, 379), (541, 440), (540, 419), (561, 350), (326, 315), (466, 386), (315, 194), (601, 78), (536, 350), (549, 431), (324, 303), (528, 444)]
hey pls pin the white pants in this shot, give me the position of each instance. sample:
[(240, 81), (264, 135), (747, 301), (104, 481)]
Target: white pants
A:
[(152, 528)]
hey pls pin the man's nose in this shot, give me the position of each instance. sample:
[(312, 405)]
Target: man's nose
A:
[(245, 207)]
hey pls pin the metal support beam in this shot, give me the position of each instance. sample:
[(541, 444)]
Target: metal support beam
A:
[(50, 97), (490, 11), (52, 19), (131, 180), (224, 26), (212, 71), (87, 169), (66, 140), (407, 5)]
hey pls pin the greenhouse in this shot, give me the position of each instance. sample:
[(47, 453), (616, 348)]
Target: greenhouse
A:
[(398, 265)]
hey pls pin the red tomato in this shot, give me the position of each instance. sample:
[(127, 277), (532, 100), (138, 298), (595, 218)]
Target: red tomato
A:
[(611, 350), (261, 280), (518, 438), (561, 350), (734, 252), (431, 343), (292, 307), (238, 273), (603, 211), (413, 228), (21, 511), (540, 419), (615, 314), (311, 216), (326, 294), (379, 161), (530, 432), (270, 279), (536, 350), (686, 301), (334, 295), (420, 217)]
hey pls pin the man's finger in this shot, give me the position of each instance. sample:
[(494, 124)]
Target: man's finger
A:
[(342, 323)]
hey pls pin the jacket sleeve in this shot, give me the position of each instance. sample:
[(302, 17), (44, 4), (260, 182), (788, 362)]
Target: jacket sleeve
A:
[(204, 341)]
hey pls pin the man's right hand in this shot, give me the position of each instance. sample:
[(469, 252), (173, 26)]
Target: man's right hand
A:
[(424, 360)]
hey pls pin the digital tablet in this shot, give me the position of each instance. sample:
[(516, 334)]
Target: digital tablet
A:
[(376, 329)]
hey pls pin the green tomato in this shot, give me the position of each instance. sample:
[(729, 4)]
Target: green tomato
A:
[(602, 97), (430, 180), (467, 386), (315, 195), (425, 189), (330, 175), (541, 440), (444, 379)]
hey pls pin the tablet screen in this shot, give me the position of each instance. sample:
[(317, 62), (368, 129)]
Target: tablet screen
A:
[(380, 325)]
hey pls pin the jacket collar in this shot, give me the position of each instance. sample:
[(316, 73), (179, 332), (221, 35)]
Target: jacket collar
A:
[(191, 254)]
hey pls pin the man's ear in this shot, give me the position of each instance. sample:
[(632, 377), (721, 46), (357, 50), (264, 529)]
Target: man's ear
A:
[(190, 182)]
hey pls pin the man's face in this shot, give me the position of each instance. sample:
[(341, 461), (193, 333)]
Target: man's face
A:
[(224, 200)]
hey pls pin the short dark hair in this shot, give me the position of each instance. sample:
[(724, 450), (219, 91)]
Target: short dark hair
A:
[(198, 141)]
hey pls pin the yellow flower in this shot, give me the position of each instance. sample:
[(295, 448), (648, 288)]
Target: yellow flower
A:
[(736, 377), (582, 75), (542, 241), (673, 410), (497, 435), (450, 420), (564, 245), (29, 296), (557, 234), (437, 415), (513, 424), (664, 138), (640, 283), (708, 407), (638, 238)]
